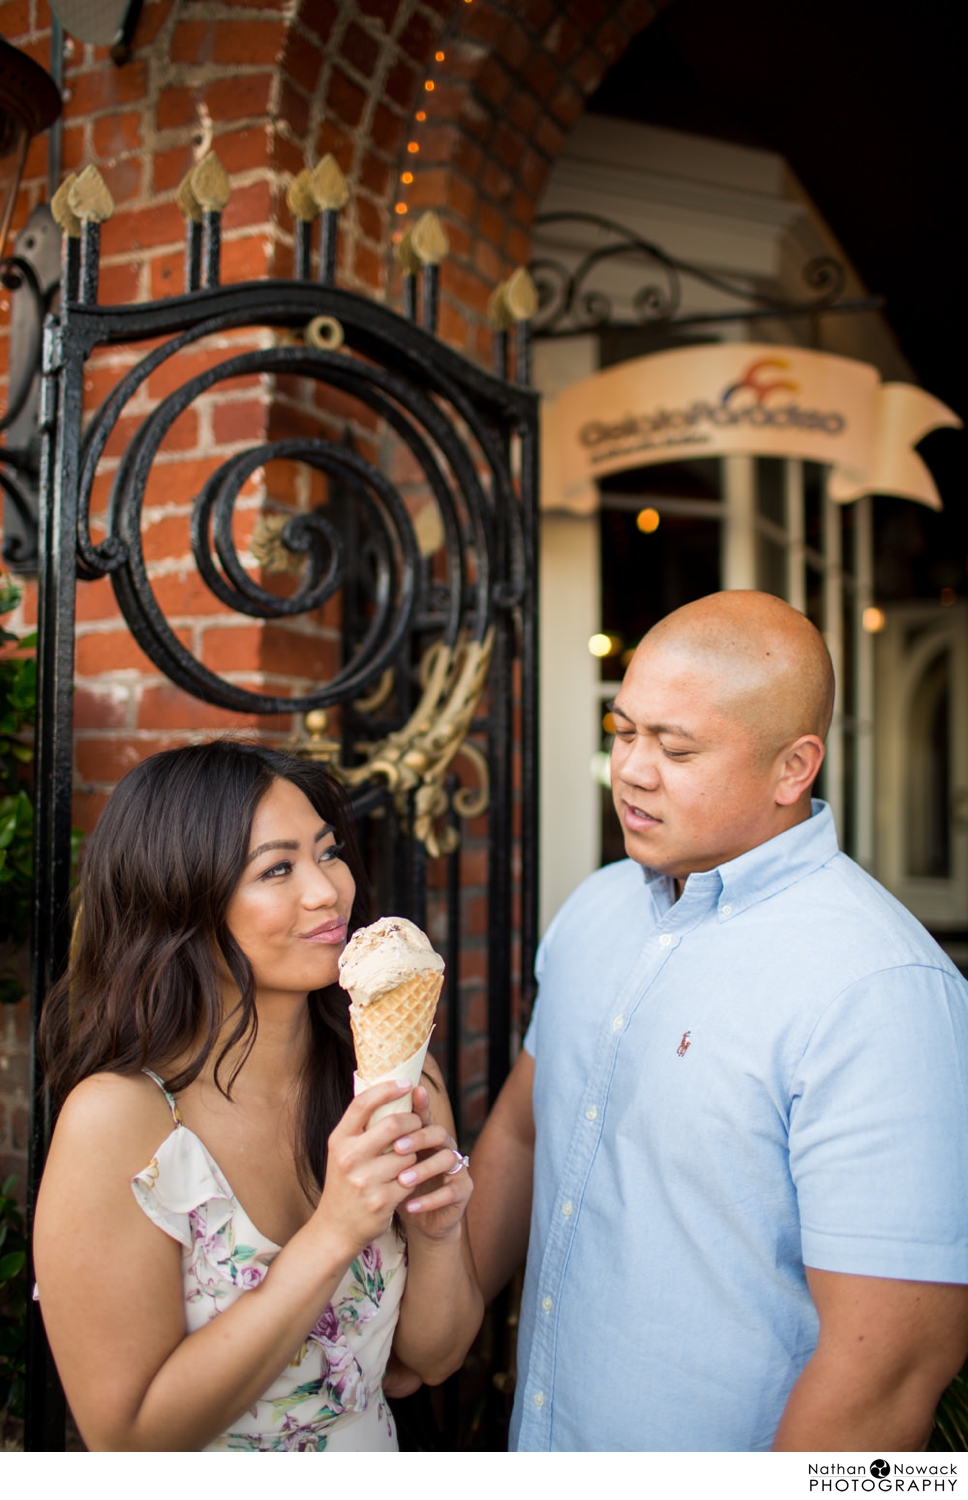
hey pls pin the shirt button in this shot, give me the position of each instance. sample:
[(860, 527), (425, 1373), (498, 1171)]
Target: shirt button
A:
[(726, 910), (665, 940), (618, 1023), (538, 1398), (547, 1304), (568, 1209), (591, 1113)]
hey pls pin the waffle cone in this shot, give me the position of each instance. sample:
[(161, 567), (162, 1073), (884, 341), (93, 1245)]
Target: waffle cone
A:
[(392, 1028)]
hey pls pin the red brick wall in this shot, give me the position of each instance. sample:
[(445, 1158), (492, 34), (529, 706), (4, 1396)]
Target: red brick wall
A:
[(457, 105)]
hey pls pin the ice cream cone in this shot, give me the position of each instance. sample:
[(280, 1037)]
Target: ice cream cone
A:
[(394, 979), (395, 1026)]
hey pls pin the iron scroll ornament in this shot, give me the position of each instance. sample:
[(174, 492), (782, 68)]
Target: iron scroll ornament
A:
[(567, 305), (405, 380), (18, 465)]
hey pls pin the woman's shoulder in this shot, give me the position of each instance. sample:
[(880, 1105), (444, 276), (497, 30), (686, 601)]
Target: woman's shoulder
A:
[(125, 1115)]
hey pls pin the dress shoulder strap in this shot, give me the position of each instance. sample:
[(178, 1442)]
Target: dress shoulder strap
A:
[(172, 1105)]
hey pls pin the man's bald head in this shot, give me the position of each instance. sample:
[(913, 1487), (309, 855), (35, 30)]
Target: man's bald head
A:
[(768, 666)]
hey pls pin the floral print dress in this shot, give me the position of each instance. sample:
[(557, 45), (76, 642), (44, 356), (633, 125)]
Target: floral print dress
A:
[(330, 1396)]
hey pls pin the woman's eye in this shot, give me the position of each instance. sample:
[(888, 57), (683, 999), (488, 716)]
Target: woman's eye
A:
[(333, 852), (282, 868)]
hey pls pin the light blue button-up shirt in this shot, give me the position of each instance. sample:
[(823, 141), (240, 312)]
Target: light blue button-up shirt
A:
[(767, 1073)]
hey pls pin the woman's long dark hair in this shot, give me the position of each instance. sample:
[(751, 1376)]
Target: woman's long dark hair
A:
[(143, 984)]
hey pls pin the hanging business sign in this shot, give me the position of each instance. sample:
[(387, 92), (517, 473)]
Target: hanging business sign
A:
[(715, 399)]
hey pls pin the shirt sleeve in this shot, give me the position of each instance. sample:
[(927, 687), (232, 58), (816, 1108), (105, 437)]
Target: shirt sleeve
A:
[(879, 1130)]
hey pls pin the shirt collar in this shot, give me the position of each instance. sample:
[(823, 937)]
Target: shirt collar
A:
[(763, 871)]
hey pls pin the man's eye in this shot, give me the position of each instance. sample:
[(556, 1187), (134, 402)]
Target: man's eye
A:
[(333, 852), (675, 754)]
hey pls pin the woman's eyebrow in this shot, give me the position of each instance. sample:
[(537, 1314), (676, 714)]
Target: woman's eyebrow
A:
[(288, 843), (273, 844)]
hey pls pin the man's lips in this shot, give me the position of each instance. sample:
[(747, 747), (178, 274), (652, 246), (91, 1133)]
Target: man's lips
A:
[(327, 932), (637, 820)]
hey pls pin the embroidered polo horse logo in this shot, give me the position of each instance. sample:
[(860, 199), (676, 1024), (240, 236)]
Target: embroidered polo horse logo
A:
[(685, 1044)]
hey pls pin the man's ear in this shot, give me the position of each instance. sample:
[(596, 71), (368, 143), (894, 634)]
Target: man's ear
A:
[(799, 768)]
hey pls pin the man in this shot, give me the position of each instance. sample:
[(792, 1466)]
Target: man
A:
[(741, 1097)]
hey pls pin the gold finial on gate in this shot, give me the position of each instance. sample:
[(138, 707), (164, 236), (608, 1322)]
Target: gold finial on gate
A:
[(406, 256), (60, 206), (89, 198), (210, 184), (186, 200), (301, 199), (328, 185), (520, 296), (498, 313), (429, 240)]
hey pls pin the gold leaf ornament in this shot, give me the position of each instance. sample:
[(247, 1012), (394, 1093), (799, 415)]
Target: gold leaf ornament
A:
[(521, 296), (498, 312), (328, 185), (60, 206), (302, 203), (429, 240), (406, 256), (418, 758), (89, 198), (268, 548), (188, 204), (210, 184)]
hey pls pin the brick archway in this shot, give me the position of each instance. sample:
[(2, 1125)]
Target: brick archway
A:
[(513, 82)]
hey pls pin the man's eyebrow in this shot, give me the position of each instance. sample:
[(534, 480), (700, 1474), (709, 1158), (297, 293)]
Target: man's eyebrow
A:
[(677, 729), (287, 843)]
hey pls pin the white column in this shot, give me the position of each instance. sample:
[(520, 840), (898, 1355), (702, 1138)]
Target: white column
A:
[(738, 568), (569, 691), (864, 672), (833, 629), (570, 594), (796, 577)]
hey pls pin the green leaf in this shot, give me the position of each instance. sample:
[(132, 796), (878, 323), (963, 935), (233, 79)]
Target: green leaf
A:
[(11, 1265)]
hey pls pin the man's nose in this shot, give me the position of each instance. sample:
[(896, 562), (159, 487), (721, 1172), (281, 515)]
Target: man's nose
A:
[(640, 765)]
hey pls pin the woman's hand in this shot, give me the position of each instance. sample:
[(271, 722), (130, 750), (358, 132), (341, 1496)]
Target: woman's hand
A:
[(437, 1193), (363, 1190), (442, 1305)]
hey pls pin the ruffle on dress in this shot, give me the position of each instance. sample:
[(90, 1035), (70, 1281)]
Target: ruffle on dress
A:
[(180, 1181)]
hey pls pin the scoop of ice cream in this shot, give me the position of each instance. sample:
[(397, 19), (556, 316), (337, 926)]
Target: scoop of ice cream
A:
[(384, 955)]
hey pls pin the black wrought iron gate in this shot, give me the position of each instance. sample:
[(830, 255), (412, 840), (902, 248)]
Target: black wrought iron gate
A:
[(436, 669)]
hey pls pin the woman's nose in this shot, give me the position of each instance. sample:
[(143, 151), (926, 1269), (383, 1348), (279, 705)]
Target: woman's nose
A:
[(321, 889)]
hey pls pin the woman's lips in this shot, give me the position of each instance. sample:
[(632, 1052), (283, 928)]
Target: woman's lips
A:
[(328, 932)]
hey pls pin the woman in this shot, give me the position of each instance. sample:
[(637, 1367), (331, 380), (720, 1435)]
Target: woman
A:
[(224, 1253)]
